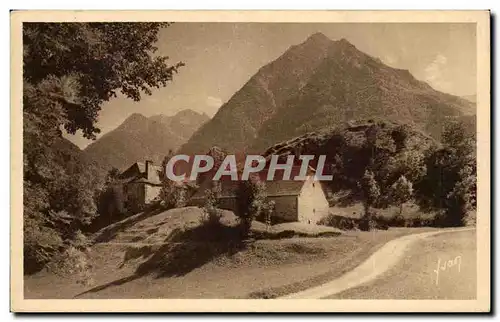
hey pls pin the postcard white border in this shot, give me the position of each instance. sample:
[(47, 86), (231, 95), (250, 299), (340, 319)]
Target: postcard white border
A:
[(481, 304)]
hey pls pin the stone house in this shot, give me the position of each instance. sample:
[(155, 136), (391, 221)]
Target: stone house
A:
[(295, 201), (137, 186)]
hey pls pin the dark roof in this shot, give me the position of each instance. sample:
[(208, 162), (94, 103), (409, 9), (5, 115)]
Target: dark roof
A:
[(273, 188), (136, 173), (141, 179), (284, 188)]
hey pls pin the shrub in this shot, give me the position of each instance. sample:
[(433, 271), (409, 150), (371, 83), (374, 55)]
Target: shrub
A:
[(211, 214), (40, 244), (417, 221), (369, 220), (381, 222), (74, 261), (339, 222), (252, 203), (397, 221)]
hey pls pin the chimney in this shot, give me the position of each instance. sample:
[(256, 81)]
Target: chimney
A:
[(149, 170)]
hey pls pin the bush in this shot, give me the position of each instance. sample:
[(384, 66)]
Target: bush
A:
[(211, 215), (339, 222), (366, 223), (252, 203), (417, 221), (371, 220), (381, 222), (397, 221), (40, 245), (74, 261)]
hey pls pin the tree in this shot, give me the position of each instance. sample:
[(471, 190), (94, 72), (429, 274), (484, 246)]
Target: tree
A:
[(450, 182), (168, 187), (211, 211), (69, 71), (269, 214), (90, 62), (174, 194), (112, 175), (218, 156), (462, 198), (401, 192), (108, 209), (371, 193), (411, 164), (251, 202), (400, 135)]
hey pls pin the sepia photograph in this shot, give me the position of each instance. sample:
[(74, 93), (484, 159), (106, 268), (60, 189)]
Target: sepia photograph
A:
[(240, 161)]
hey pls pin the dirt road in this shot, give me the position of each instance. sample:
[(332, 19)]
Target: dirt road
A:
[(396, 270)]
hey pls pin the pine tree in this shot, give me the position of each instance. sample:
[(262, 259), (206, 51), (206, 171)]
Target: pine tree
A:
[(370, 189), (401, 192)]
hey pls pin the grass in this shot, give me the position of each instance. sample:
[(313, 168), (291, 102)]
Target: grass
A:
[(264, 269), (350, 250), (167, 254)]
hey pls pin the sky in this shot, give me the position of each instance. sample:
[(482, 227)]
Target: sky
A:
[(221, 57)]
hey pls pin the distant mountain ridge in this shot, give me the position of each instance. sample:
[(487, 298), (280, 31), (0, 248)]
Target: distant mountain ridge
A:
[(318, 84), (472, 98), (141, 138)]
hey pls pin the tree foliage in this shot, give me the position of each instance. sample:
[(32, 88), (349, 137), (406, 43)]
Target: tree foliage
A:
[(107, 202), (401, 192), (368, 159), (69, 71), (168, 187), (91, 63), (252, 202), (450, 183), (211, 212), (174, 194), (371, 191)]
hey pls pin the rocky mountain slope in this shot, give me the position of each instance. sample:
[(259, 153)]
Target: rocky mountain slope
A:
[(139, 138), (318, 84)]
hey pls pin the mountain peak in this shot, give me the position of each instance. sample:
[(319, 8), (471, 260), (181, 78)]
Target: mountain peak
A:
[(187, 112), (318, 39), (189, 116), (318, 36), (344, 42), (140, 137), (134, 119), (318, 84), (136, 116)]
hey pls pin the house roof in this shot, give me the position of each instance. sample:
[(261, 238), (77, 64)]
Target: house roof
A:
[(140, 179), (141, 166), (284, 188), (273, 188), (136, 173)]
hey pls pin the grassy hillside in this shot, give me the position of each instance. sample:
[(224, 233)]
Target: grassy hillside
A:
[(156, 255)]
